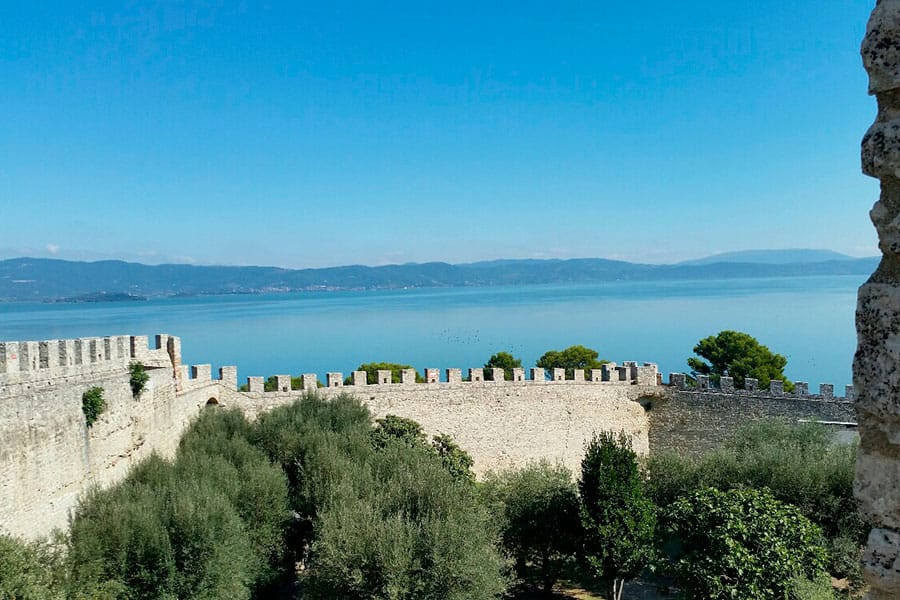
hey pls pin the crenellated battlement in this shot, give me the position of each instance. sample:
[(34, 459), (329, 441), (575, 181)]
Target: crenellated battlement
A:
[(628, 373), (704, 385), (35, 362)]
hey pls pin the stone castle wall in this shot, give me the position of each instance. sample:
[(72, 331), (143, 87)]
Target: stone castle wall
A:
[(48, 457)]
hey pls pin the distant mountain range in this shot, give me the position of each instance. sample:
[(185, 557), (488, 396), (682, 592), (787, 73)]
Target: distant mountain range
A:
[(38, 279)]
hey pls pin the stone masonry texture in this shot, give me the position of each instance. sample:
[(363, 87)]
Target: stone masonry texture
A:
[(876, 366)]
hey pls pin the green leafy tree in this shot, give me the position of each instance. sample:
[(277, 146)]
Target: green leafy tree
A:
[(738, 355), (573, 357), (539, 517), (742, 544), (372, 369), (502, 360), (618, 520)]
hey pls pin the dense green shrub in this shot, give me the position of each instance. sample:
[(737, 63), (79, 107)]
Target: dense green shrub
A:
[(382, 514), (618, 520), (138, 378), (741, 544), (92, 405), (27, 571), (538, 513), (799, 463), (399, 526), (209, 525)]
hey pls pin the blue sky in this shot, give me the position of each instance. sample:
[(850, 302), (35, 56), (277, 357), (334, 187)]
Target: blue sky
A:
[(301, 135)]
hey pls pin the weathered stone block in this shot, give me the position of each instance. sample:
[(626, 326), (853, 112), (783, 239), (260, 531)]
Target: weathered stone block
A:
[(578, 375), (559, 374), (497, 375), (384, 376), (801, 388), (360, 378), (610, 372), (881, 562), (826, 390), (140, 346), (334, 379), (880, 50), (255, 384), (702, 382), (518, 374), (850, 393), (537, 375), (29, 356), (310, 381), (454, 375), (432, 375), (678, 380), (228, 377), (646, 374), (726, 384), (201, 372), (9, 357), (776, 387), (751, 384), (66, 353), (476, 374), (596, 375), (408, 376), (877, 487)]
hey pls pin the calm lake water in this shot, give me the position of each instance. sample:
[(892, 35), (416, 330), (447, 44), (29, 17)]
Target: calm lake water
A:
[(809, 320)]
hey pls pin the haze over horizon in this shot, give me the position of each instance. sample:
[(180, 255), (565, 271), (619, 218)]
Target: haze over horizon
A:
[(317, 136)]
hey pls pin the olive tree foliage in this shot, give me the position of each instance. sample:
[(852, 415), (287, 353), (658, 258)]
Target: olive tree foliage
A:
[(399, 526), (394, 429), (29, 571), (537, 509), (208, 525), (573, 357), (502, 360), (619, 521), (379, 514), (742, 543), (738, 355)]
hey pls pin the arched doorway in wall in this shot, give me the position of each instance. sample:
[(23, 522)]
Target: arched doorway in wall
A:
[(212, 402)]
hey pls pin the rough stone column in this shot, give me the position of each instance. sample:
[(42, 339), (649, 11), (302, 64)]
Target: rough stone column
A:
[(876, 366)]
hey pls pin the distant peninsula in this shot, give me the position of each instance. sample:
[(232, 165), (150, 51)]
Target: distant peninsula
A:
[(53, 280)]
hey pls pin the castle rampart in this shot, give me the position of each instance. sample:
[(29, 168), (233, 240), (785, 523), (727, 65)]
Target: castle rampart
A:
[(48, 457)]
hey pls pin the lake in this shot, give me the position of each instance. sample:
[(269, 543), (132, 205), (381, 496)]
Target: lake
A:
[(810, 320)]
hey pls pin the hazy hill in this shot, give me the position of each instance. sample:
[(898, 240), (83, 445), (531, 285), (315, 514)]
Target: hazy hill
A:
[(771, 257), (33, 279)]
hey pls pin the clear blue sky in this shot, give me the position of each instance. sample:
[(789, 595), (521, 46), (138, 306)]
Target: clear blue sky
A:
[(298, 135)]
